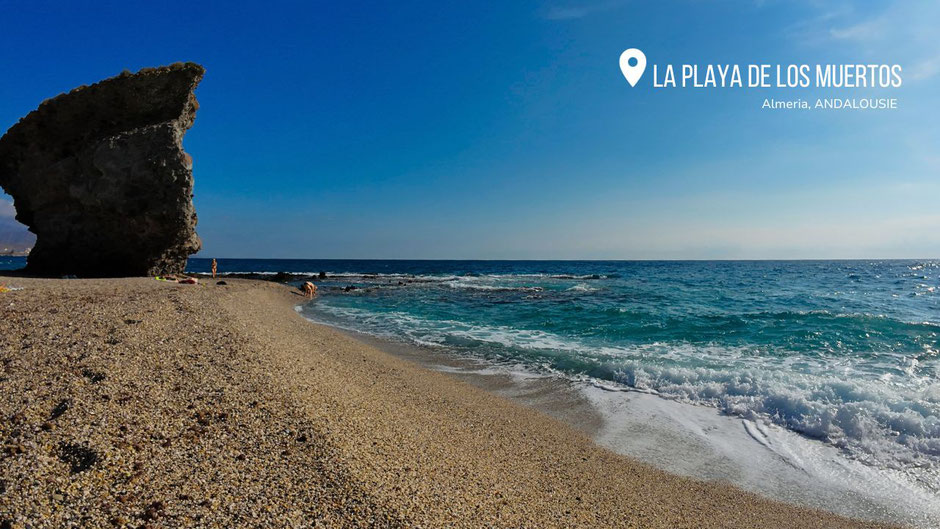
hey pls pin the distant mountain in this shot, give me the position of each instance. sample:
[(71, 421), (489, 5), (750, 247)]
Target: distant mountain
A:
[(14, 238)]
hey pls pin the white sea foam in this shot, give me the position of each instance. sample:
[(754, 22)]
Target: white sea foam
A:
[(463, 284), (873, 422), (582, 287), (696, 441)]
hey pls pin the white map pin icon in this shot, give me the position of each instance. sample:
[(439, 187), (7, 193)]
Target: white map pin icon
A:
[(632, 73)]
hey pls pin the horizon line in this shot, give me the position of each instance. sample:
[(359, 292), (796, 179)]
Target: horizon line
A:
[(575, 260)]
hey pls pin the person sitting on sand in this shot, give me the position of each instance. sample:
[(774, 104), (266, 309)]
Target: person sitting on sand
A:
[(309, 289)]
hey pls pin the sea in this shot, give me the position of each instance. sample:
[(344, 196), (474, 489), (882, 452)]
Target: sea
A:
[(816, 371)]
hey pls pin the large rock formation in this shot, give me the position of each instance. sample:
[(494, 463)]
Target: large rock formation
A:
[(100, 176)]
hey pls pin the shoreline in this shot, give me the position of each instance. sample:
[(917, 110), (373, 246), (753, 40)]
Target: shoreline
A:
[(689, 440), (209, 404)]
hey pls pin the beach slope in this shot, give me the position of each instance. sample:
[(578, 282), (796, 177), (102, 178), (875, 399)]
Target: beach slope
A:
[(138, 403)]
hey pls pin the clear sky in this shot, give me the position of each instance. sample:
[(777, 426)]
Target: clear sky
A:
[(506, 130)]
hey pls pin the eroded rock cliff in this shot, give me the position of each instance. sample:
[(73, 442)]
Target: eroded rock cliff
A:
[(100, 176)]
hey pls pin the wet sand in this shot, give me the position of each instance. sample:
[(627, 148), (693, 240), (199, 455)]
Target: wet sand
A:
[(138, 403)]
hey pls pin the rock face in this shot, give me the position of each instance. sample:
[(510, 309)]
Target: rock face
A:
[(100, 176)]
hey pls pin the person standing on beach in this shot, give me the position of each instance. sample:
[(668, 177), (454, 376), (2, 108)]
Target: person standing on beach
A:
[(215, 268)]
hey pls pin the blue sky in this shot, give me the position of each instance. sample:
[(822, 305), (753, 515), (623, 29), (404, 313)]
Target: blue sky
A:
[(505, 130)]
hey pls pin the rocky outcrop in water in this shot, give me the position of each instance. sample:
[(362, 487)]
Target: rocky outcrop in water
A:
[(100, 176)]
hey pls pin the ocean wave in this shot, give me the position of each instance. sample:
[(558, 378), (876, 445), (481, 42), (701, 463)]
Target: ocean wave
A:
[(582, 287), (874, 422), (427, 277), (430, 278), (580, 277), (856, 319), (492, 288)]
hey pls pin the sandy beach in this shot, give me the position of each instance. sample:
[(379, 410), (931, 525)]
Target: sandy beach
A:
[(138, 403)]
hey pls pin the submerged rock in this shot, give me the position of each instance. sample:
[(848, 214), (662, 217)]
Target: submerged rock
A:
[(100, 176)]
